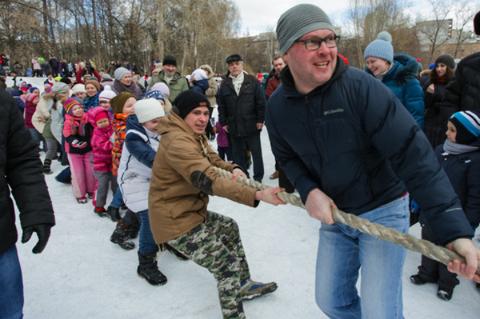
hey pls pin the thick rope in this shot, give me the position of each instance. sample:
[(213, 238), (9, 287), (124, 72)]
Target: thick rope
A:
[(426, 248)]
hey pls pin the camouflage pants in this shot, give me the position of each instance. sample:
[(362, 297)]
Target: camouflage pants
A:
[(216, 245)]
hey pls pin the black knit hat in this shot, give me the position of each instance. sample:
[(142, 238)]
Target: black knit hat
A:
[(169, 60), (233, 58), (187, 101), (447, 60)]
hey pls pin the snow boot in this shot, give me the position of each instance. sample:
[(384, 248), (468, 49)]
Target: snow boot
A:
[(445, 293), (175, 252), (82, 200), (148, 269), (252, 289), (120, 237), (46, 166), (100, 211), (113, 213)]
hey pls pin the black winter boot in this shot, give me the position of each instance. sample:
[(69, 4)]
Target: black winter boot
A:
[(120, 236), (46, 166), (148, 269), (113, 213)]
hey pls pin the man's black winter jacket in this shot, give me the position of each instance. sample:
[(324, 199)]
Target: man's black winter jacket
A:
[(355, 141), (20, 171)]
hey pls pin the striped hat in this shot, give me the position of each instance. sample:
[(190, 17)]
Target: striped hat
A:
[(69, 104), (467, 124)]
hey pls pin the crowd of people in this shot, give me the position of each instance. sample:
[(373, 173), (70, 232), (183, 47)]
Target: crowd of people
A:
[(365, 141)]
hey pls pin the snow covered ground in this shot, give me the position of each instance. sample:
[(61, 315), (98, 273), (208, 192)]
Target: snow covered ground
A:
[(81, 274)]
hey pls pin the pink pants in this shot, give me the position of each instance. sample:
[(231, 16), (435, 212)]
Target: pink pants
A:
[(83, 180)]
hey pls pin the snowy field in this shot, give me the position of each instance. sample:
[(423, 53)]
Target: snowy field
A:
[(81, 274)]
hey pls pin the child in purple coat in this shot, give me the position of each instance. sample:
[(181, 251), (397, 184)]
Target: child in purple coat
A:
[(223, 145)]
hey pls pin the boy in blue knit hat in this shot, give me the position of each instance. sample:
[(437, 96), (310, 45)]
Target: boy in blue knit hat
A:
[(460, 158)]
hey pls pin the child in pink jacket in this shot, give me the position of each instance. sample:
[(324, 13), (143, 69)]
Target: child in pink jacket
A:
[(102, 156), (78, 132)]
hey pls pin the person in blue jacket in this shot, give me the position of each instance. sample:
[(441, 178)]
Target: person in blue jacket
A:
[(344, 140), (398, 73)]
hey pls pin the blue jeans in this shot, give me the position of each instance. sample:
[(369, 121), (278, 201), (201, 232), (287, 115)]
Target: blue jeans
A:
[(11, 291), (146, 243), (343, 251), (117, 199)]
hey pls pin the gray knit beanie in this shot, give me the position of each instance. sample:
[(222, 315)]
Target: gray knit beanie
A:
[(120, 73), (381, 47), (299, 20)]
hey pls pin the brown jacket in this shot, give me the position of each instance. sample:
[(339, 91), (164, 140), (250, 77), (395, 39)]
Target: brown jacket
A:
[(175, 205)]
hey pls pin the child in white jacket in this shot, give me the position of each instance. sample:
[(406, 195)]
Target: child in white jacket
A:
[(134, 174)]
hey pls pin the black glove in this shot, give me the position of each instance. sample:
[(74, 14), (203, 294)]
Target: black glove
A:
[(43, 232)]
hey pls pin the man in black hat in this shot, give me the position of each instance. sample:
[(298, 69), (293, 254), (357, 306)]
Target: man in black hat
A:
[(241, 109), (463, 92), (176, 82)]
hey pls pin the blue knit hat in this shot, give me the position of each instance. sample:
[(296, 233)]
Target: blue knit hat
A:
[(467, 124), (381, 47), (155, 94)]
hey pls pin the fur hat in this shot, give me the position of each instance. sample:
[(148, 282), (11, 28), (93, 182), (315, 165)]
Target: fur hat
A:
[(381, 47), (169, 60), (299, 20), (78, 88), (107, 93), (69, 104), (120, 73), (148, 109), (93, 82), (447, 60), (467, 124), (118, 101), (189, 100)]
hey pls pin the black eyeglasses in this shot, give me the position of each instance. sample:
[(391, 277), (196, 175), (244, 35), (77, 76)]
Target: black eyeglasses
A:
[(315, 43)]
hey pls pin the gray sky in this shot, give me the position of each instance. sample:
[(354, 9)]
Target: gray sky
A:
[(261, 15)]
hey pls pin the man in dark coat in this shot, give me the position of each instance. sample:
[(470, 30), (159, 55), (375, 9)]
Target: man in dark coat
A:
[(241, 110), (20, 171), (344, 140)]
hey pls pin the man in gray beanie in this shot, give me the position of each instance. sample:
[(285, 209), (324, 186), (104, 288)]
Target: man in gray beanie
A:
[(344, 140)]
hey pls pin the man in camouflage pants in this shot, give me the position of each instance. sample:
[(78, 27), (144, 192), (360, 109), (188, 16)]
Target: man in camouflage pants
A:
[(183, 176), (216, 245)]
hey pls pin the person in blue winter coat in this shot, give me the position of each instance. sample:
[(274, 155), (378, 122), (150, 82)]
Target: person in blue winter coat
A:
[(398, 72), (344, 140), (134, 174)]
